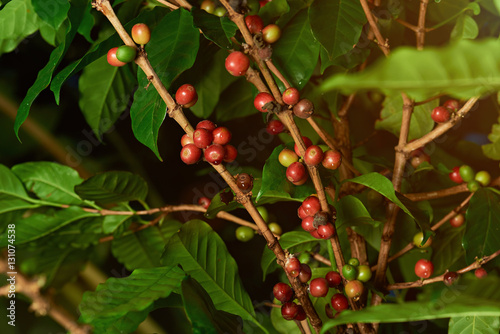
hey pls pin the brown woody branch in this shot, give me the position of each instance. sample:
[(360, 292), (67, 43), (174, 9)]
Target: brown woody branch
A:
[(382, 43)]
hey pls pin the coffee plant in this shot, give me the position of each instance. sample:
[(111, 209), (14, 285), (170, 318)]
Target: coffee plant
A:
[(244, 166)]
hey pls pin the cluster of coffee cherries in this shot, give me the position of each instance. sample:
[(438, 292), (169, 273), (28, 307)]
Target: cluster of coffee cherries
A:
[(296, 171), (443, 113), (119, 56), (465, 173), (451, 276), (212, 141), (245, 233), (315, 221)]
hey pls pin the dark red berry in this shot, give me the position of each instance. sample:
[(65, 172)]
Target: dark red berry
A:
[(480, 273), (190, 154), (308, 224), (112, 60), (296, 172), (207, 125), (244, 182), (314, 155), (204, 202), (307, 143), (301, 314), (417, 160), (301, 213), (254, 23), (186, 95), (303, 109), (291, 96), (186, 139), (340, 302), (202, 138), (289, 310), (318, 287), (215, 154), (424, 268), (231, 153), (326, 231), (440, 114), (333, 278), (332, 159), (282, 292), (457, 221), (237, 63), (292, 266), (450, 277), (315, 234), (305, 273), (261, 100), (453, 105), (455, 175), (222, 135), (311, 205), (275, 127)]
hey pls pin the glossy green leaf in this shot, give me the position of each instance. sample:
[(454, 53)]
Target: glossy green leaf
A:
[(482, 233), (294, 242), (274, 9), (111, 223), (345, 23), (297, 51), (203, 255), (172, 50), (130, 298), (492, 150), (447, 248), (465, 28), (143, 249), (200, 309), (17, 21), (44, 77), (113, 187), (39, 225), (81, 234), (105, 92), (390, 117), (53, 12), (474, 325), (10, 185), (14, 204), (235, 101), (432, 71), (217, 29), (50, 181), (350, 60), (87, 24)]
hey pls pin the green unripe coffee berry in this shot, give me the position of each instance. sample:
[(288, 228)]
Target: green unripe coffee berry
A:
[(275, 228), (473, 186), (244, 233), (466, 173), (483, 177), (126, 53), (353, 262), (364, 273), (349, 272), (263, 212)]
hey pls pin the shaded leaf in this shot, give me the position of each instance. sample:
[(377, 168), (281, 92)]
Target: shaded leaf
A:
[(10, 186), (217, 29), (465, 28), (492, 150), (474, 325), (274, 9), (447, 248), (433, 71), (53, 12), (17, 21), (235, 101)]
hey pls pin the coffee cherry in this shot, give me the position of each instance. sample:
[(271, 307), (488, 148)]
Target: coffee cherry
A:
[(263, 213), (308, 224), (204, 202), (364, 273), (289, 310), (301, 314), (339, 302), (326, 231), (190, 154), (282, 292), (318, 287), (480, 273), (440, 114), (457, 221), (186, 139), (450, 277), (354, 289), (261, 100), (275, 228), (305, 273), (291, 96), (292, 266), (222, 135), (333, 278), (332, 159), (473, 186), (231, 153), (466, 173), (237, 63), (220, 11), (275, 127), (453, 105), (244, 233), (254, 23), (141, 33), (311, 205), (349, 272), (313, 156), (126, 53), (296, 172), (287, 157), (418, 238), (315, 234), (186, 95), (215, 154), (419, 159), (271, 33), (208, 6), (207, 125), (307, 143), (455, 175), (301, 213), (112, 60), (424, 268), (202, 138), (303, 109), (244, 182), (483, 177), (353, 262)]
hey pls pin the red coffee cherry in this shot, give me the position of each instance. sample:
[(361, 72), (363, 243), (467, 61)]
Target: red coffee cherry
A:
[(237, 63), (296, 172), (453, 105), (457, 221), (254, 23), (339, 302), (292, 266), (326, 231), (318, 287), (282, 292), (455, 175), (307, 143), (314, 155), (480, 273), (215, 153), (424, 268), (332, 159), (275, 127), (333, 278), (186, 95), (261, 100), (112, 60), (308, 224), (190, 154), (202, 138), (303, 109), (186, 139), (204, 202), (207, 125), (289, 310), (311, 205), (231, 153), (301, 213), (450, 277), (141, 33), (354, 289), (221, 135), (440, 114), (301, 314), (305, 273), (291, 96)]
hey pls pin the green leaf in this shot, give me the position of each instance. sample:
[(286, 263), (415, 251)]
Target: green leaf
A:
[(465, 28), (52, 12), (39, 225), (216, 29), (235, 101), (200, 309), (392, 113), (274, 9), (203, 255), (482, 233), (113, 187), (294, 242), (296, 53), (432, 71), (345, 23), (492, 150), (105, 92), (50, 181), (10, 186), (447, 248), (17, 21), (44, 77), (172, 50), (14, 204), (474, 325), (130, 298), (143, 249), (497, 5)]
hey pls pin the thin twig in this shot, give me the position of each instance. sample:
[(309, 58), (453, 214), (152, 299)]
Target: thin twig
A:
[(421, 24), (382, 43), (277, 73), (168, 4)]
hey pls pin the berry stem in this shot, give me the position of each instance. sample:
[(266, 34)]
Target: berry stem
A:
[(277, 73)]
